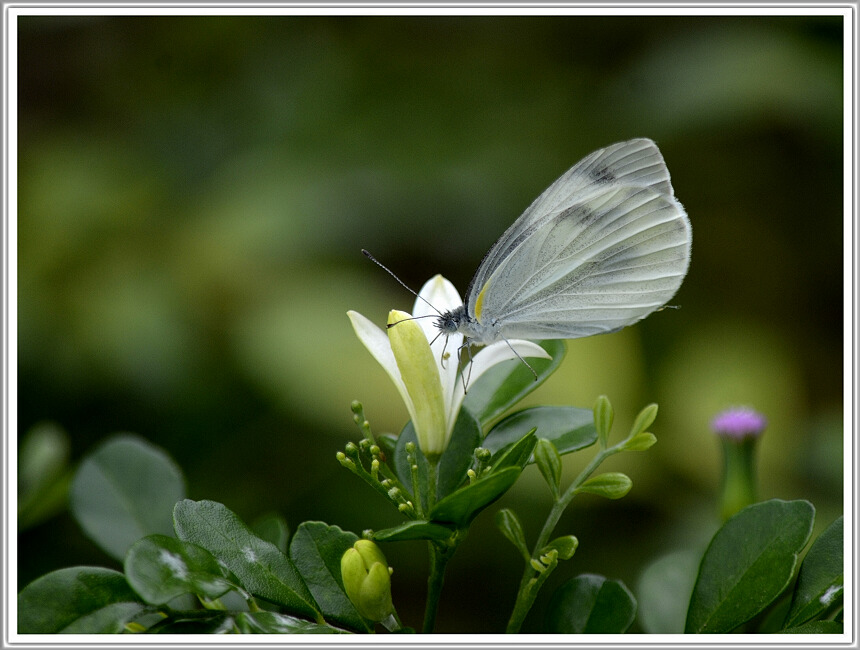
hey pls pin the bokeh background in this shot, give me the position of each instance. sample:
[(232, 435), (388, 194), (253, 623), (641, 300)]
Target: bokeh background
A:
[(194, 193)]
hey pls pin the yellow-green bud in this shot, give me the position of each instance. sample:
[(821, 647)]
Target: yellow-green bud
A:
[(367, 580)]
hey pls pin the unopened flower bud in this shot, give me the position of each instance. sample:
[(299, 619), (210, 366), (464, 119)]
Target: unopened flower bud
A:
[(367, 580), (739, 430)]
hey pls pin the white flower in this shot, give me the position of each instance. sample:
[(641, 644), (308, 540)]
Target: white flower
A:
[(426, 375)]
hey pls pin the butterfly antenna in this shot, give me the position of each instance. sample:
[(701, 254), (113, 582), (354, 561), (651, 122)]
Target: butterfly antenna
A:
[(399, 281)]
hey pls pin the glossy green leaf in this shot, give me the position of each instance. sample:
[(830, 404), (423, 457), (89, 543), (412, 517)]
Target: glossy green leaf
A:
[(749, 562), (664, 590), (517, 454), (505, 384), (412, 530), (548, 461), (453, 464), (125, 490), (77, 600), (160, 568), (611, 485), (512, 529), (460, 507), (821, 578), (567, 427), (591, 604), (263, 570), (816, 627), (273, 528), (458, 456), (316, 551), (274, 623)]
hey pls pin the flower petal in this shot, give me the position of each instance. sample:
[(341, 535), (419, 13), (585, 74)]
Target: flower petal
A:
[(489, 357), (440, 293), (420, 373), (377, 343)]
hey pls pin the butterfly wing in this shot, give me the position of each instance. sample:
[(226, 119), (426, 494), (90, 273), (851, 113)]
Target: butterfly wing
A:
[(601, 248)]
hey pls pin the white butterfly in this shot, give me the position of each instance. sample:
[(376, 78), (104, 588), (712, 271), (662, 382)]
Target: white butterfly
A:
[(604, 246)]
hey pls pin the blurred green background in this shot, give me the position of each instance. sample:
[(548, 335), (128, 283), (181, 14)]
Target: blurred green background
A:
[(194, 193)]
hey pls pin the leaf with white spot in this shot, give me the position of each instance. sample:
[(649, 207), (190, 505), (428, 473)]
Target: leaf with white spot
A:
[(160, 568), (820, 581), (260, 566)]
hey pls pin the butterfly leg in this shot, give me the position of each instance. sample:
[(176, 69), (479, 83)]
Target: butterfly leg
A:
[(519, 357)]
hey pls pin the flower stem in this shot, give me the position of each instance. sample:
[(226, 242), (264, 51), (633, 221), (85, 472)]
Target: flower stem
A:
[(529, 585), (439, 556)]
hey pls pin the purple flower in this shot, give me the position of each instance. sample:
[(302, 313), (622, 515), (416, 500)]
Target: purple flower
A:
[(739, 423)]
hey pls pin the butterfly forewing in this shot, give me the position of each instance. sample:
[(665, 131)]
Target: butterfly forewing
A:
[(600, 249)]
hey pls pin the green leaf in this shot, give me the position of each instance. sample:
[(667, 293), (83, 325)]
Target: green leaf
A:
[(263, 570), (644, 420), (273, 623), (77, 600), (611, 485), (815, 627), (517, 454), (548, 461), (160, 568), (460, 507), (457, 457), (664, 590), (591, 604), (567, 427), (124, 490), (603, 418), (412, 530), (512, 529), (820, 581), (453, 464), (273, 528), (316, 551), (564, 546), (640, 442), (506, 383), (43, 474), (749, 562)]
